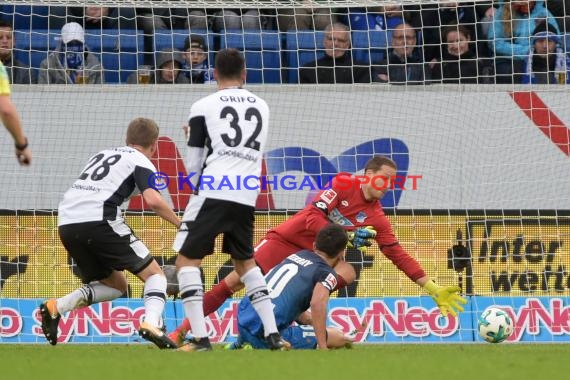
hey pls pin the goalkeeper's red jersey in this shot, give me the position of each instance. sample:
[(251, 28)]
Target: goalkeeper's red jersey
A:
[(345, 205)]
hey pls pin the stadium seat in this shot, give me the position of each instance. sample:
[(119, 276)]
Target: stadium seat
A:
[(369, 46), (262, 52), (26, 16), (166, 39), (301, 48), (120, 52)]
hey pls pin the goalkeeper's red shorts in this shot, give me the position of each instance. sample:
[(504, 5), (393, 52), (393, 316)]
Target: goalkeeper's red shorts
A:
[(271, 251)]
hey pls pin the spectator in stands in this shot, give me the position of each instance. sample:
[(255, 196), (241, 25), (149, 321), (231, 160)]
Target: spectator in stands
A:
[(71, 62), (375, 18), (246, 19), (435, 17), (18, 72), (305, 18), (459, 62), (337, 66), (93, 17), (404, 64), (486, 12), (168, 69), (152, 19), (510, 36), (547, 63), (196, 66)]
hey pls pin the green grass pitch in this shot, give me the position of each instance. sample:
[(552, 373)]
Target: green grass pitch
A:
[(389, 362)]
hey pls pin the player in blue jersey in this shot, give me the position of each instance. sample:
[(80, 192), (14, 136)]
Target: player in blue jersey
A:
[(303, 280)]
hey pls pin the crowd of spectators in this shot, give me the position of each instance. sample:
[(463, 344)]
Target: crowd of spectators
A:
[(500, 41)]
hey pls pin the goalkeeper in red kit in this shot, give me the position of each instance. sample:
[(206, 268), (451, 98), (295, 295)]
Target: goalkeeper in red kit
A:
[(352, 202)]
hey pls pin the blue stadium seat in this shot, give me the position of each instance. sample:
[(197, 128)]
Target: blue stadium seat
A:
[(369, 46), (120, 52), (262, 52), (166, 39), (26, 16), (301, 48)]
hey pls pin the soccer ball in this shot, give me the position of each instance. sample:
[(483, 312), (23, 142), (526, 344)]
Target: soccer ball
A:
[(495, 325)]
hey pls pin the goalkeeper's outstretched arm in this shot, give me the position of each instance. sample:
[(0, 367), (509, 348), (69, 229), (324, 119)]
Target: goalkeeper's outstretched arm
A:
[(447, 298)]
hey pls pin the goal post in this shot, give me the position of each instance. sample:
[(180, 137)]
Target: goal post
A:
[(483, 205)]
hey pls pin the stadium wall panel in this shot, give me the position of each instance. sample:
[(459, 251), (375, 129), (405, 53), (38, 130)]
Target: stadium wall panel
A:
[(472, 148), (389, 320)]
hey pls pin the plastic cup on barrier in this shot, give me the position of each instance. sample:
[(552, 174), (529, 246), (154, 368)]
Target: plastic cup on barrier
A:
[(144, 74), (81, 77)]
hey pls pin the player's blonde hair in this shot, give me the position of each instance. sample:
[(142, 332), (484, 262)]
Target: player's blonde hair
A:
[(143, 132)]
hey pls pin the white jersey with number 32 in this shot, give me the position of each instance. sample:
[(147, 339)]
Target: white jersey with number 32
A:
[(231, 125)]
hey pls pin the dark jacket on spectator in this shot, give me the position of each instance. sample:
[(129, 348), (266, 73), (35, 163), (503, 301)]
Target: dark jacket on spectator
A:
[(339, 70), (18, 72), (199, 74), (464, 69), (543, 70), (411, 71)]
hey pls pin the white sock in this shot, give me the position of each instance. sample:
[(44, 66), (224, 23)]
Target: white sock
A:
[(154, 299), (256, 290), (192, 295), (88, 294)]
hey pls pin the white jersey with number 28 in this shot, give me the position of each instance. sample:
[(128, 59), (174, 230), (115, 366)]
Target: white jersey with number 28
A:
[(109, 178)]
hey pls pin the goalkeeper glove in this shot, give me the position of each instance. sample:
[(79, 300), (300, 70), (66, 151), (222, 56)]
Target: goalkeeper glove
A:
[(360, 238), (446, 298)]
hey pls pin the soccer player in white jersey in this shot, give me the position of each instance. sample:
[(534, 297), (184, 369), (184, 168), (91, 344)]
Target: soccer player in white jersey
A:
[(95, 235), (228, 130)]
